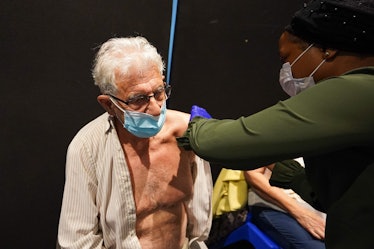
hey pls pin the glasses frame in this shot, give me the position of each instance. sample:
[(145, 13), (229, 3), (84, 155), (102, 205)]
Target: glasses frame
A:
[(166, 89)]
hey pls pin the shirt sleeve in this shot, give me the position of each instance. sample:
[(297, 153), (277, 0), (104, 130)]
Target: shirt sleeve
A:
[(79, 225), (329, 116), (199, 208)]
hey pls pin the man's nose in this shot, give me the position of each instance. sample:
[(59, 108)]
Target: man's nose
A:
[(153, 107)]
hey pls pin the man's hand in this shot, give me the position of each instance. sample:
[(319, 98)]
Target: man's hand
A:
[(312, 222)]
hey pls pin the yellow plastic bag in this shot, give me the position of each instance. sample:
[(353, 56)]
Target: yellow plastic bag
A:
[(230, 192)]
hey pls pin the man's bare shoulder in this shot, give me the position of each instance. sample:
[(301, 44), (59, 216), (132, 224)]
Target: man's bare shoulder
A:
[(177, 120), (179, 114)]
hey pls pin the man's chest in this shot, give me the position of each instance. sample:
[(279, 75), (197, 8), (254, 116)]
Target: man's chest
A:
[(161, 179)]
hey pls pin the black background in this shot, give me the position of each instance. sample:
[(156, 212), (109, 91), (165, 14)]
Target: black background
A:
[(225, 59)]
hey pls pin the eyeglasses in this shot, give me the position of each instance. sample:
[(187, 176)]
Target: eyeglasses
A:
[(138, 101)]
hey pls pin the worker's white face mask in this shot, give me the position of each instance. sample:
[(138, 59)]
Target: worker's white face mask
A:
[(291, 85)]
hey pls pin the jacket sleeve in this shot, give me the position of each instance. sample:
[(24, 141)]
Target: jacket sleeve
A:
[(324, 118)]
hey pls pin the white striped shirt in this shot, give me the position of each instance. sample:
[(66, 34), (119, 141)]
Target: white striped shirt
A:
[(98, 207)]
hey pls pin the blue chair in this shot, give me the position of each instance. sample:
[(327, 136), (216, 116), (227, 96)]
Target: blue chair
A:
[(251, 233)]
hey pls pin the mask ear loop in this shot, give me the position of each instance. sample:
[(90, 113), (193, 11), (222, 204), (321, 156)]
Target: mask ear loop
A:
[(298, 57), (120, 108), (114, 102), (315, 70)]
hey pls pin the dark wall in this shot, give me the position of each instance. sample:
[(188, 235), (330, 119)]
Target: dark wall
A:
[(225, 59), (226, 55)]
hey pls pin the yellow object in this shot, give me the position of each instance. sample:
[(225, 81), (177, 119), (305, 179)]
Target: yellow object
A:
[(230, 192)]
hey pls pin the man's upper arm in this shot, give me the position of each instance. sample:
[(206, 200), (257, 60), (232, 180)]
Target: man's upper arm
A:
[(200, 206), (78, 226)]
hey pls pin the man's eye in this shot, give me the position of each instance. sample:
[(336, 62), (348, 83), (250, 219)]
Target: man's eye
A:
[(138, 99), (157, 94)]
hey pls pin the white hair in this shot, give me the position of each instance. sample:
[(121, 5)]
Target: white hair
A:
[(124, 57)]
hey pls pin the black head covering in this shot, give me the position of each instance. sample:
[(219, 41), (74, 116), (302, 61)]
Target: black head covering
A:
[(346, 25)]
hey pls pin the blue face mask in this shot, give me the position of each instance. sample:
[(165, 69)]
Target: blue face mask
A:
[(141, 124)]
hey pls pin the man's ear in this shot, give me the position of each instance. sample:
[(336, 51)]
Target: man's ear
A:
[(106, 103)]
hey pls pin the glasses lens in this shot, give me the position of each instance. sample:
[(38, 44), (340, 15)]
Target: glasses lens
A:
[(141, 100), (160, 94), (138, 101)]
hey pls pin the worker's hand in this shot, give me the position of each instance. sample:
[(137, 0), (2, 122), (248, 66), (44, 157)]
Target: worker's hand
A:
[(197, 111)]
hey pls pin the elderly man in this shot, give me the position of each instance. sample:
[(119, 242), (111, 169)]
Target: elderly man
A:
[(128, 184)]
